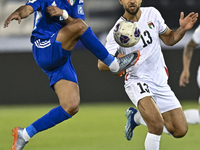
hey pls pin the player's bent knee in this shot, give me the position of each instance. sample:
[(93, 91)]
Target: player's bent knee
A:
[(180, 132), (80, 26), (74, 107), (156, 128), (71, 107), (73, 111)]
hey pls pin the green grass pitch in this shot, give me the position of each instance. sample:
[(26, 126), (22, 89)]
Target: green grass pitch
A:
[(96, 127)]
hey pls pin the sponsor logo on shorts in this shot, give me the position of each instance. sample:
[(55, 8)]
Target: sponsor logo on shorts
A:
[(43, 44)]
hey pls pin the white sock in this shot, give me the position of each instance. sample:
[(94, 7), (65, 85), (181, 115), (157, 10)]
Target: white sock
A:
[(114, 66), (139, 120), (25, 135), (152, 141), (192, 116)]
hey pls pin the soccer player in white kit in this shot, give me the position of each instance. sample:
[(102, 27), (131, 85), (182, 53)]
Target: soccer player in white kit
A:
[(146, 82), (192, 115)]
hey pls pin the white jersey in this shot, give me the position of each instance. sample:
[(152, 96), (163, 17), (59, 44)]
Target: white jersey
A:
[(196, 35), (151, 64)]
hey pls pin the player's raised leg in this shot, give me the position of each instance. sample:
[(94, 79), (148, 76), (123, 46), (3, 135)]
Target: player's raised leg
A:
[(77, 29)]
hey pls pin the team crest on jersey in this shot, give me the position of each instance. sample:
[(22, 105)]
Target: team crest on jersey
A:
[(32, 1), (151, 25), (71, 2)]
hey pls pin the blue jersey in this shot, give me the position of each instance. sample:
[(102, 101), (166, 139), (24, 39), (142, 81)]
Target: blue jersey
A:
[(45, 25)]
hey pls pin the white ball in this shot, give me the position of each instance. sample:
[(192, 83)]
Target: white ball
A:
[(127, 33)]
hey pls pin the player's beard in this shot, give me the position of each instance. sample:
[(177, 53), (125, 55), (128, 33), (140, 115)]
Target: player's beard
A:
[(133, 12)]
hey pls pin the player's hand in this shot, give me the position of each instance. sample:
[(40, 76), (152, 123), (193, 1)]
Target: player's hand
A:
[(184, 78), (188, 22), (13, 16), (54, 11)]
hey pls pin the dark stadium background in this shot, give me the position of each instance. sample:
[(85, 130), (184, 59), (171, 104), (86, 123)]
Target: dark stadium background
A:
[(23, 82)]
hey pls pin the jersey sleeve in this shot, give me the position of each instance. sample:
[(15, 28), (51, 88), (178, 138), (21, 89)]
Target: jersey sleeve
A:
[(196, 35), (36, 4), (77, 10), (111, 45), (161, 22)]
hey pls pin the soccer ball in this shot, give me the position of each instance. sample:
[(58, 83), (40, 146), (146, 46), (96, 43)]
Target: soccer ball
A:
[(127, 34)]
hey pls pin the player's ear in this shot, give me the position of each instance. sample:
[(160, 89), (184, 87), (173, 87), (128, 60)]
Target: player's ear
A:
[(120, 1)]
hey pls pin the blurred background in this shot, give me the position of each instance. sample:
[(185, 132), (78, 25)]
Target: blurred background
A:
[(23, 82)]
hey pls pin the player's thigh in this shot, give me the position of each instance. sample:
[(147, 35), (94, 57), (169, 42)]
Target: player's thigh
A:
[(68, 95), (140, 94), (175, 122), (69, 35)]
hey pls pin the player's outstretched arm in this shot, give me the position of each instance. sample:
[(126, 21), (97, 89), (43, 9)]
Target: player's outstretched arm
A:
[(186, 23), (20, 13), (187, 56)]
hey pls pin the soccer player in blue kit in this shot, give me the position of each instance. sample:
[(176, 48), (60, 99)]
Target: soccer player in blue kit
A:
[(58, 25)]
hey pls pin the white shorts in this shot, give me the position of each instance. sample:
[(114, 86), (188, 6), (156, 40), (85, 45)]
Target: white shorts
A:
[(164, 97)]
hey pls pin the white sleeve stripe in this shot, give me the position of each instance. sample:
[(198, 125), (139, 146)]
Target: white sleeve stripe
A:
[(164, 31)]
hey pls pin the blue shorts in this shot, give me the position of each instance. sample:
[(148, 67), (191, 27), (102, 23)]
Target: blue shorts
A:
[(53, 60)]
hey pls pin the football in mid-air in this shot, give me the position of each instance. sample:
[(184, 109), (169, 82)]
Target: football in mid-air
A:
[(127, 33)]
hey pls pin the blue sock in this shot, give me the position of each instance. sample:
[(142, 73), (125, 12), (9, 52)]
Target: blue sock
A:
[(91, 42), (53, 117)]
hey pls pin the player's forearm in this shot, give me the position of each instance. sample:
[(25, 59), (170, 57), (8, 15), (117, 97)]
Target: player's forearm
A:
[(176, 36), (187, 56), (69, 19), (24, 11)]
